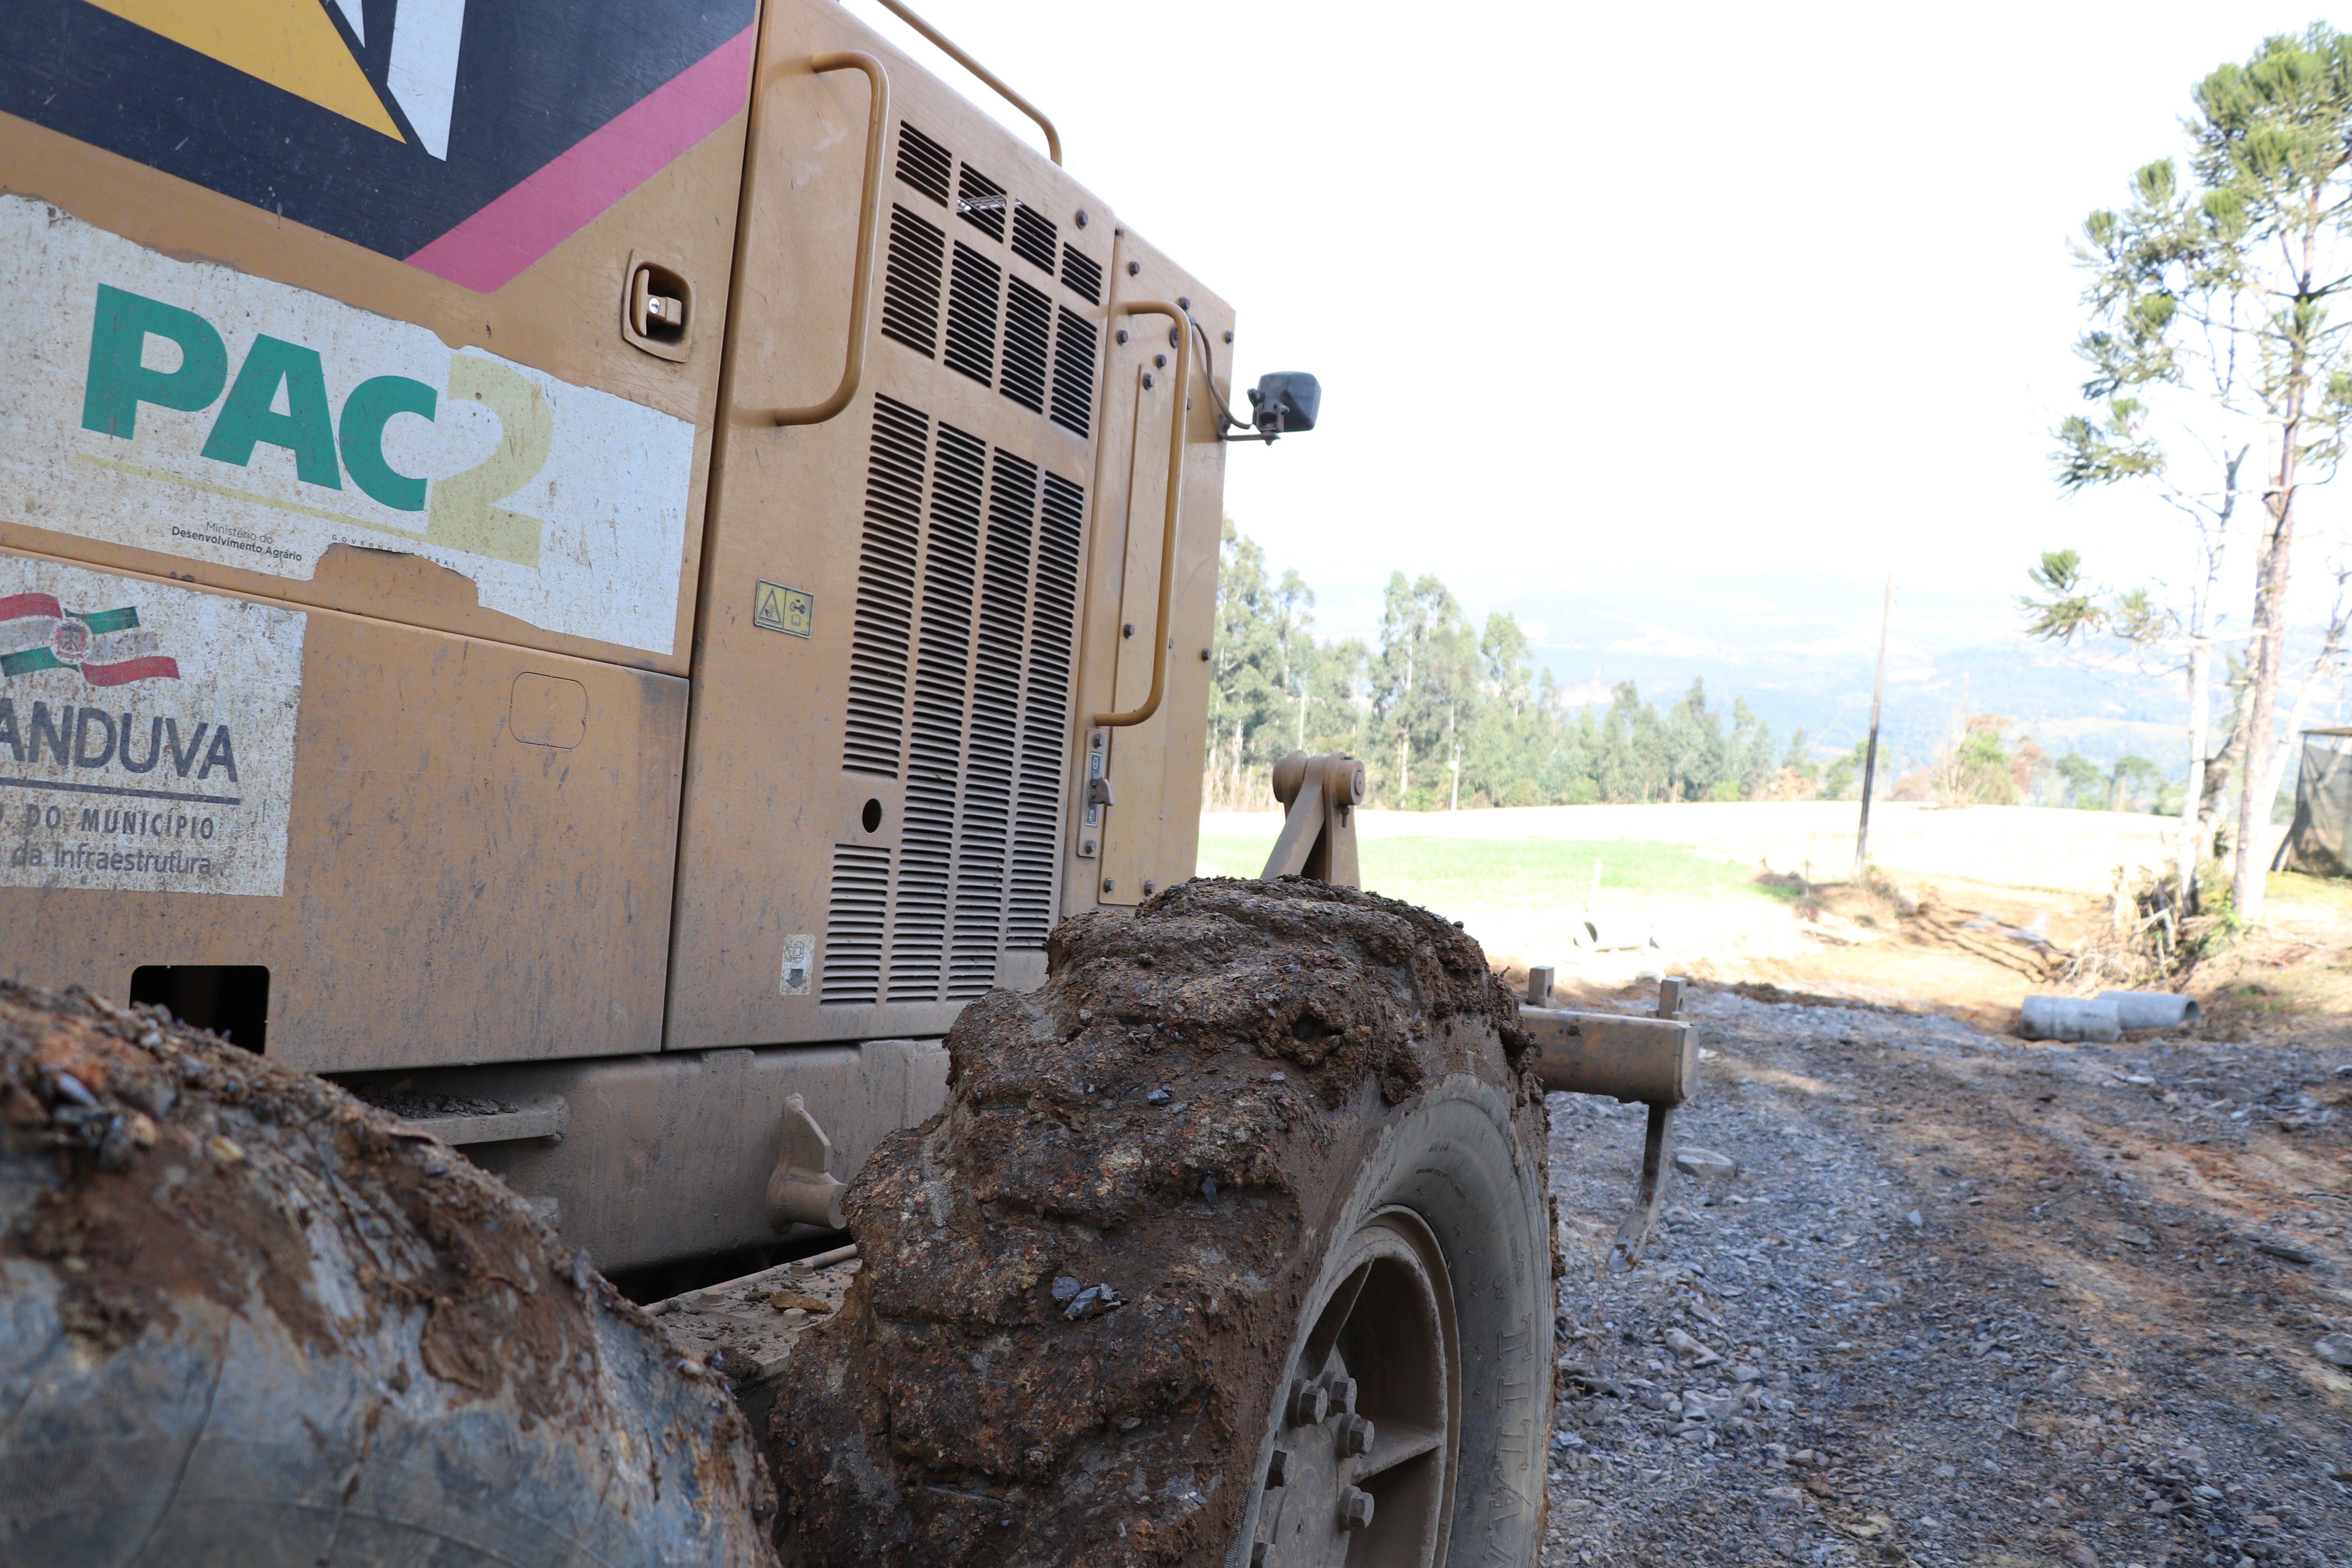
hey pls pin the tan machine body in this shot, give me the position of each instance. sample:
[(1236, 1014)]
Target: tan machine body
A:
[(722, 719)]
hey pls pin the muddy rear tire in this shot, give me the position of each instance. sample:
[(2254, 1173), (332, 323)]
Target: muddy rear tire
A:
[(1249, 1143), (1425, 1331)]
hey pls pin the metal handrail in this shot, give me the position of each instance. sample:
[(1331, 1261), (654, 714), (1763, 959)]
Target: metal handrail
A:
[(1180, 394), (861, 296), (1053, 137)]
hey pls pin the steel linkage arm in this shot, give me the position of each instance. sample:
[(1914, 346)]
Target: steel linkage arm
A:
[(1646, 1061)]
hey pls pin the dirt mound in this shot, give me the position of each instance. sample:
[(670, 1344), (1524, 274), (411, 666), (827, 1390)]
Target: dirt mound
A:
[(1085, 1277), (242, 1315)]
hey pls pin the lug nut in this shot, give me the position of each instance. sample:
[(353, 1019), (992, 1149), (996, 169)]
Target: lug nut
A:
[(1309, 1403), (1278, 1469), (1343, 1395), (1355, 1436), (1356, 1508)]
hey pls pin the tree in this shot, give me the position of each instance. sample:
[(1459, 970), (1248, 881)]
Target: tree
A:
[(1453, 716), (2119, 447), (2132, 776), (1980, 768), (2081, 782), (2217, 296), (1798, 777), (1425, 676), (1843, 770)]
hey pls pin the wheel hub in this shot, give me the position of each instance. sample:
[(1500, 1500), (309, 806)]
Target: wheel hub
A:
[(1361, 1466)]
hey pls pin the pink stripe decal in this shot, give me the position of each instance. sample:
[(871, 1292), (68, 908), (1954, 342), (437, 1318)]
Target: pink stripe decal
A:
[(157, 667), (17, 605), (485, 252)]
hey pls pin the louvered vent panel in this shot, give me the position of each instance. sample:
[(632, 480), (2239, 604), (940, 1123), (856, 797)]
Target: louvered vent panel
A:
[(984, 846), (911, 287), (935, 744), (1028, 322), (1082, 275), (962, 648), (980, 201), (923, 164), (874, 730), (972, 315), (1045, 714), (853, 923), (1034, 237), (1073, 374)]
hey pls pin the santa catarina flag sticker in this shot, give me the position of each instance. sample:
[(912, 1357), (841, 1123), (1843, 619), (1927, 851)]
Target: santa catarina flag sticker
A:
[(109, 647), (146, 734)]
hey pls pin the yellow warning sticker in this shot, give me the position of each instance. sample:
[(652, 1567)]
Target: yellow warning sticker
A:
[(777, 609)]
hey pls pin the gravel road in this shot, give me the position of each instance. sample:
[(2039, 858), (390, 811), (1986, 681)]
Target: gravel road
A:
[(1964, 1303)]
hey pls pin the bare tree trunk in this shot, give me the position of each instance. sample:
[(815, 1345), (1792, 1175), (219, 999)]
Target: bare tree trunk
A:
[(2192, 800), (1456, 803), (2269, 602), (2247, 885), (2200, 680)]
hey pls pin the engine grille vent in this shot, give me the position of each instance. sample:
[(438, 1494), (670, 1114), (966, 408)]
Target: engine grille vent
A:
[(981, 202), (1028, 323), (969, 573), (1045, 716), (1073, 374), (1000, 331), (1034, 238), (972, 314), (854, 924), (874, 730), (923, 164), (1082, 275), (911, 287)]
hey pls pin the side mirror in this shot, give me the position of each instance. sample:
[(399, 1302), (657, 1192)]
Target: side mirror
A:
[(1285, 403)]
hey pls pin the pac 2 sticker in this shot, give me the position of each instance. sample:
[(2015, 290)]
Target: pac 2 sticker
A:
[(146, 734), (186, 407)]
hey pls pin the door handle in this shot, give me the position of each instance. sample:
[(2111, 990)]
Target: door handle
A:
[(1181, 396), (861, 286)]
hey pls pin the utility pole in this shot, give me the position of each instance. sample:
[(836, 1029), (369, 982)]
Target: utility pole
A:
[(1870, 757)]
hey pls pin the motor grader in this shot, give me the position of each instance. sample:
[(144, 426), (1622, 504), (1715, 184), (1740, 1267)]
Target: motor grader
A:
[(630, 586)]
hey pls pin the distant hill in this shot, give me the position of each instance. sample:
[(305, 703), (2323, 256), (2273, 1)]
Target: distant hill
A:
[(1800, 648)]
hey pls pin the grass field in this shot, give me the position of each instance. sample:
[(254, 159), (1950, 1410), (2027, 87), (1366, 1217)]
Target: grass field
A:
[(2294, 889), (1454, 874)]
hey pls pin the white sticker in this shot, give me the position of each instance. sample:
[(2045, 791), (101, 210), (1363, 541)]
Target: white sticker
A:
[(146, 734), (184, 407), (800, 966)]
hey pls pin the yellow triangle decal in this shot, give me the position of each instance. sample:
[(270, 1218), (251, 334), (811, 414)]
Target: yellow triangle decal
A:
[(290, 44)]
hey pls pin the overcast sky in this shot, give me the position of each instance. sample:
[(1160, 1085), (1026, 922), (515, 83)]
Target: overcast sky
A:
[(1618, 295)]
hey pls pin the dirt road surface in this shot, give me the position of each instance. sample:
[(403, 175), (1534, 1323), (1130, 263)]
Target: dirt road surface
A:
[(1966, 1302)]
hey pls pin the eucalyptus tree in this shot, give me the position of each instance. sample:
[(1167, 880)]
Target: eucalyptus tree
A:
[(1246, 686), (1425, 676), (2213, 302)]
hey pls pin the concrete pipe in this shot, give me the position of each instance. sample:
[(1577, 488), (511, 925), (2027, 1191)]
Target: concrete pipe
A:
[(2070, 1018), (2152, 1009)]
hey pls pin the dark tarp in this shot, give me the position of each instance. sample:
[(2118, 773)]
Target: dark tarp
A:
[(2323, 807)]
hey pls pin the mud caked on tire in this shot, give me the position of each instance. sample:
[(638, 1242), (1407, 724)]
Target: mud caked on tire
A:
[(248, 1321), (1231, 1247)]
